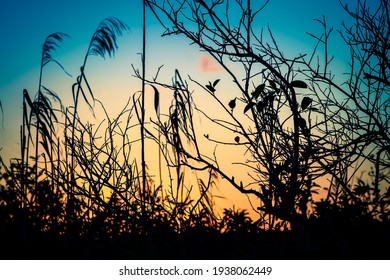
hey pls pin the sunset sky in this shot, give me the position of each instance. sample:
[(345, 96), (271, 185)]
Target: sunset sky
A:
[(24, 25)]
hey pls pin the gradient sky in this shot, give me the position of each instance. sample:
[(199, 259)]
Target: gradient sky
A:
[(24, 25)]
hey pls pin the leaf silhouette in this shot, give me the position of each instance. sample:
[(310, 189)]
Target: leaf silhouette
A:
[(43, 113), (45, 145), (306, 101), (237, 139), (232, 103), (216, 82), (210, 88), (44, 130), (298, 84), (29, 101), (156, 98), (53, 95), (47, 107), (51, 43), (104, 40), (249, 106)]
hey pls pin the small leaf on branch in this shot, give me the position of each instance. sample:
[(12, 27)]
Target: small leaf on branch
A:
[(156, 98), (232, 103), (210, 88), (216, 82), (306, 101), (237, 139), (298, 84)]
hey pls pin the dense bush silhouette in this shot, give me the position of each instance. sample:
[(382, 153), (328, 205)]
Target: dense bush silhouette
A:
[(39, 229)]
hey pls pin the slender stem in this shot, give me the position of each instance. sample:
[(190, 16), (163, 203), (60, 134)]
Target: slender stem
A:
[(23, 151), (143, 107), (159, 149), (37, 112)]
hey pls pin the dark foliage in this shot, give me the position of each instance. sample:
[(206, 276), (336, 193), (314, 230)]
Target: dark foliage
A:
[(38, 229)]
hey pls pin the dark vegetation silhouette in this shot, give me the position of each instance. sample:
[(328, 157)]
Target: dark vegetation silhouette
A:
[(76, 190)]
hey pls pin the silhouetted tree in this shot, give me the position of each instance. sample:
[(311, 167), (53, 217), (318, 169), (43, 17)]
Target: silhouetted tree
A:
[(356, 110), (292, 139), (275, 131)]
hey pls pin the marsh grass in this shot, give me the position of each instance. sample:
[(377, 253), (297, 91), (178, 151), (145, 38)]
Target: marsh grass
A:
[(81, 181), (77, 191)]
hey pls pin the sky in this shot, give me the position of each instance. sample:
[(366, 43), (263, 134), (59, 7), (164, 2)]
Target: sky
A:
[(24, 25)]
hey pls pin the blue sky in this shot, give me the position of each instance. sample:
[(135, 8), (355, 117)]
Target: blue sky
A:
[(24, 25)]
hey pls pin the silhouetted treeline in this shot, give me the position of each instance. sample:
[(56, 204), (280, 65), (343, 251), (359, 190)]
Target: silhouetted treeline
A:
[(42, 229)]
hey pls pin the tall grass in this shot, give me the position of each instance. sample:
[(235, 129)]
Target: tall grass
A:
[(89, 169)]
